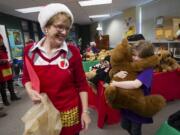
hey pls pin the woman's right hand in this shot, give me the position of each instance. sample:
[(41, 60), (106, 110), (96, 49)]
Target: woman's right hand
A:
[(121, 74), (34, 95)]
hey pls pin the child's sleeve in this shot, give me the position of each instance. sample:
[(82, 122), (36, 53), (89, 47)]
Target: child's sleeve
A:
[(146, 78)]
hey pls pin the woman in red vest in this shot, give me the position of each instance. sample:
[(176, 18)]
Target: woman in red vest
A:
[(59, 69), (6, 75)]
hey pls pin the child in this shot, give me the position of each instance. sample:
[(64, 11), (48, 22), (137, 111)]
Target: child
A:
[(131, 121)]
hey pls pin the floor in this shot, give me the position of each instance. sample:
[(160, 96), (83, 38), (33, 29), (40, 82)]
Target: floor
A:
[(12, 124)]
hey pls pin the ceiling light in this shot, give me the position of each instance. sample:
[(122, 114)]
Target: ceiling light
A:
[(29, 10), (94, 2), (99, 16), (99, 27)]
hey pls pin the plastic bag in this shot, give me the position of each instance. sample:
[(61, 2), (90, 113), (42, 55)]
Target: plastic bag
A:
[(42, 119)]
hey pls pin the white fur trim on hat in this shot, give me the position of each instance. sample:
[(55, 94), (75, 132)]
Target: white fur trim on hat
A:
[(50, 10)]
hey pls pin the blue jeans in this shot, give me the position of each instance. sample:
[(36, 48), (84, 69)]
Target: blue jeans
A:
[(132, 127)]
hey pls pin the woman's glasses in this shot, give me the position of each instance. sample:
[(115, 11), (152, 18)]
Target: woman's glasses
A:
[(61, 28)]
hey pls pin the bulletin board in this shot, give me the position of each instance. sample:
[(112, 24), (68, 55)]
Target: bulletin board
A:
[(16, 42)]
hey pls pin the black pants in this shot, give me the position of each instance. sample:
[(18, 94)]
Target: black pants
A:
[(10, 87), (132, 127)]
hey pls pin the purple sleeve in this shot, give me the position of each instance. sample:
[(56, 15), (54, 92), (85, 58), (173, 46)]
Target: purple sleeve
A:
[(146, 78)]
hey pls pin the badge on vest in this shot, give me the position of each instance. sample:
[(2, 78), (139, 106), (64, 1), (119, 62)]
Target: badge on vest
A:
[(63, 63)]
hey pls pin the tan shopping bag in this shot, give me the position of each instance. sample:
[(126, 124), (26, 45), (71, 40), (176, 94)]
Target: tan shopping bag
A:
[(42, 119)]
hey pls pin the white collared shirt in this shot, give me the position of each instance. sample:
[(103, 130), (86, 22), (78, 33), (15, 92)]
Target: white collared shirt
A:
[(40, 61)]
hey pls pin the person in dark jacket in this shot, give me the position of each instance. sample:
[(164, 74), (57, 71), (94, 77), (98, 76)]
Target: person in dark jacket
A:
[(6, 75)]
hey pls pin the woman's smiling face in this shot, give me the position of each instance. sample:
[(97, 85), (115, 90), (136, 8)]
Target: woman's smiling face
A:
[(59, 29)]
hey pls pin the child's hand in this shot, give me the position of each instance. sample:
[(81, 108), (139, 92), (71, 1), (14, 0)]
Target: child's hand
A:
[(121, 74), (114, 83)]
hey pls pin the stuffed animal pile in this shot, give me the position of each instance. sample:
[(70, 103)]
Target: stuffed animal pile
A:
[(133, 99), (90, 56), (102, 54), (167, 63)]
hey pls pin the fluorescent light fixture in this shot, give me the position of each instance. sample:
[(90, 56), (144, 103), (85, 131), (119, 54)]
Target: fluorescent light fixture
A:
[(99, 16), (29, 10), (145, 2), (94, 2)]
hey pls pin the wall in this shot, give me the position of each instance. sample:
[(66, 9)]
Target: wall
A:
[(9, 21), (115, 26), (12, 22), (93, 31), (84, 33), (167, 8)]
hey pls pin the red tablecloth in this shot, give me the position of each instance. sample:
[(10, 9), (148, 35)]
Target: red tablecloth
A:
[(105, 113), (167, 84)]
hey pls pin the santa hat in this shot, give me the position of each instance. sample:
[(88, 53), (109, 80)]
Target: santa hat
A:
[(50, 10)]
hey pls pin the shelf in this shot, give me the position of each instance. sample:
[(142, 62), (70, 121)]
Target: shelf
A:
[(172, 46)]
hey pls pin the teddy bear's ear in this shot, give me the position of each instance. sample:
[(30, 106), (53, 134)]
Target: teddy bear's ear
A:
[(124, 41)]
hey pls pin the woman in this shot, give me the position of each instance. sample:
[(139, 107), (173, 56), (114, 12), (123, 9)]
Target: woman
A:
[(6, 75), (59, 68)]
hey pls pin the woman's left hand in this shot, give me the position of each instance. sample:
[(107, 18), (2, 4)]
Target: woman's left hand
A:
[(85, 120)]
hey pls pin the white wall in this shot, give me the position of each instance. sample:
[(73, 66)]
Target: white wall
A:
[(115, 28), (167, 8)]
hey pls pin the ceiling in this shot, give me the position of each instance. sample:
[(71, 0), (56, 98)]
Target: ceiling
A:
[(80, 13)]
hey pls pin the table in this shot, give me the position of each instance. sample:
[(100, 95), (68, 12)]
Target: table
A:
[(87, 64), (105, 113), (167, 84)]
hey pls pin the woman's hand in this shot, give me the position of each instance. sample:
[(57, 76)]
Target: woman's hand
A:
[(34, 95), (121, 74), (85, 120)]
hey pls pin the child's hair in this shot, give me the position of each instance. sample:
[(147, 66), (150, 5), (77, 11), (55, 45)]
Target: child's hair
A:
[(144, 49)]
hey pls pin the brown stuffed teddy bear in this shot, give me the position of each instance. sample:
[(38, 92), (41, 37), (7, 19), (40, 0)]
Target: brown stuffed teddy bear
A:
[(167, 63), (134, 100)]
